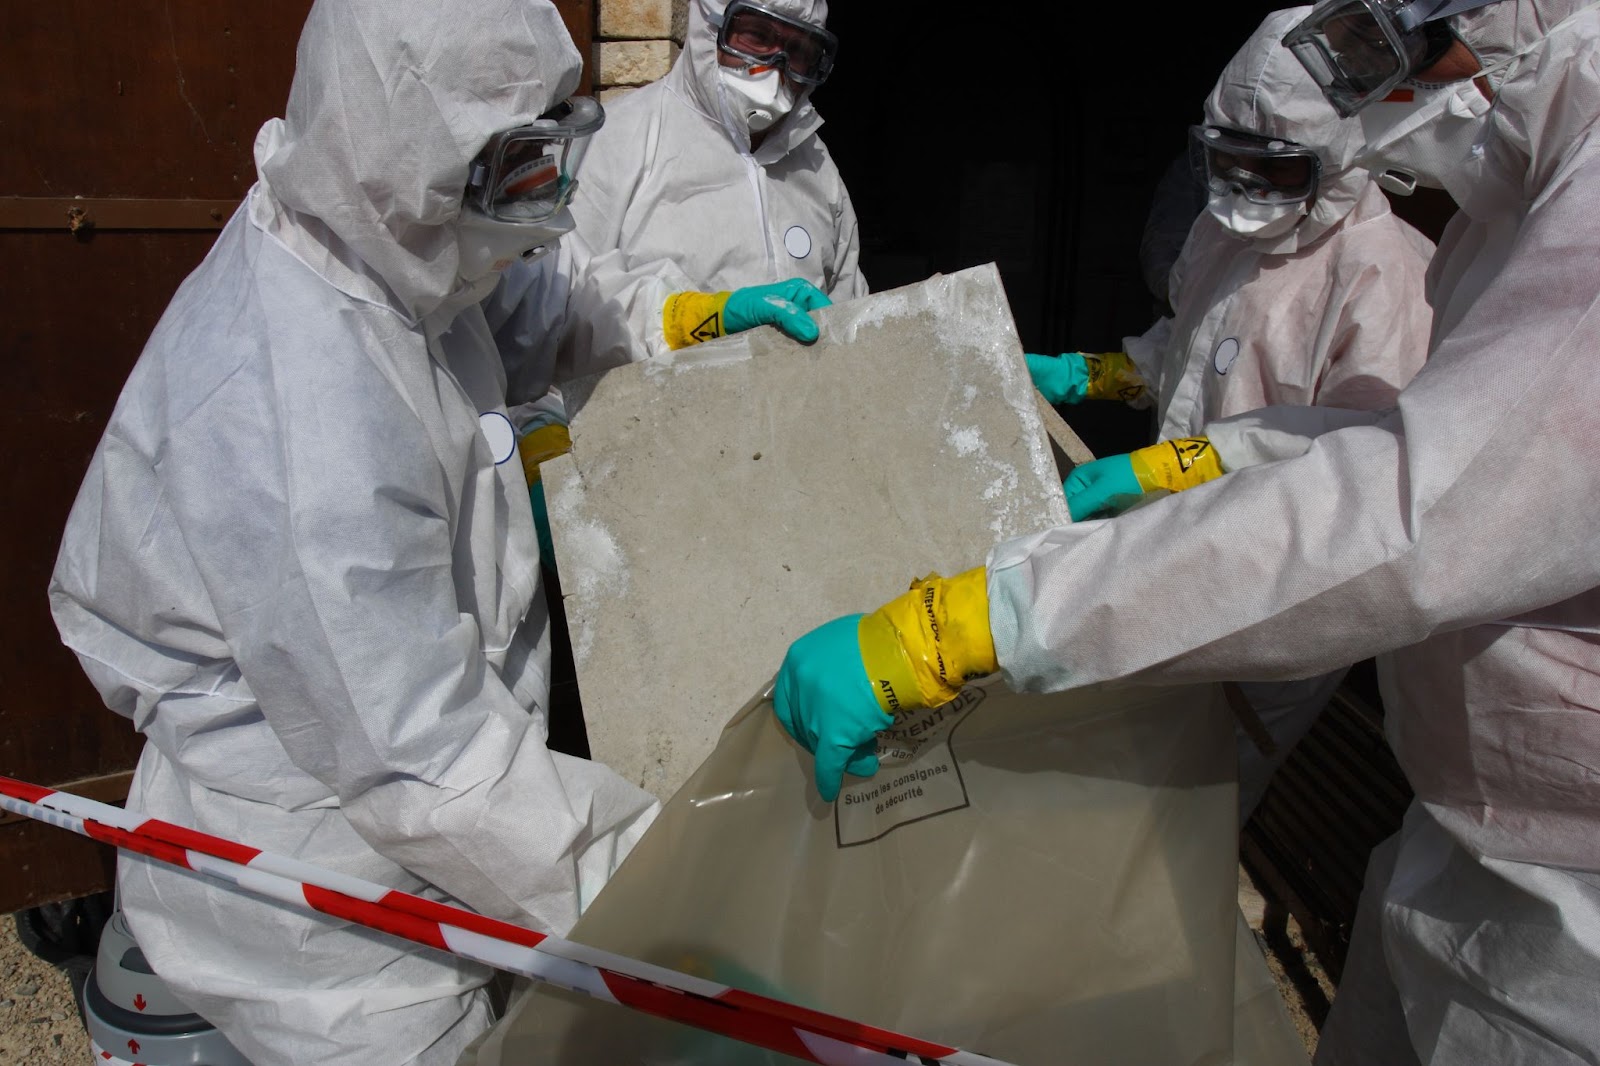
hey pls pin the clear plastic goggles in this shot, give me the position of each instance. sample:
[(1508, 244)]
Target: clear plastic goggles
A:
[(1357, 51), (530, 173), (1266, 170), (764, 38)]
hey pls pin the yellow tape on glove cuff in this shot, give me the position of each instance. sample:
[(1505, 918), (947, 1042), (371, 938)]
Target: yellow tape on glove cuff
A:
[(1113, 376), (920, 648), (692, 317), (894, 682), (1176, 465), (542, 445)]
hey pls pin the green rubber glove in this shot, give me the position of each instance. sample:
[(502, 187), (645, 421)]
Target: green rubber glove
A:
[(1076, 376), (1102, 488), (540, 444), (541, 525), (1060, 378), (824, 701), (692, 317), (783, 305), (1115, 483), (842, 683)]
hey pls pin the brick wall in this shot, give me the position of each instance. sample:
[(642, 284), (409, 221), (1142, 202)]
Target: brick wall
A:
[(636, 42)]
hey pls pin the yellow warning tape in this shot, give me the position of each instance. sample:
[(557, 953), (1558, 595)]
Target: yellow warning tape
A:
[(541, 445), (693, 317), (1176, 465), (1113, 376), (921, 647)]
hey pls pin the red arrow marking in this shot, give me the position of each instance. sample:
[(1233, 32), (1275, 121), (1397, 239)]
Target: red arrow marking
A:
[(138, 1001), (133, 1046)]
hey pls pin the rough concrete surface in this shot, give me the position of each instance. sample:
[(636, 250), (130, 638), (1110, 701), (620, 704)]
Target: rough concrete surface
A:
[(38, 1019), (739, 447)]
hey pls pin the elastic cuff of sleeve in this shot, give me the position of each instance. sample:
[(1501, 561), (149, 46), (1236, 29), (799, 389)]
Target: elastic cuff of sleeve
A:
[(541, 445), (1176, 465), (693, 317)]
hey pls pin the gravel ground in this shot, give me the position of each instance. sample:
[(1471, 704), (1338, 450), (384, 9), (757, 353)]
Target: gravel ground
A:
[(1282, 960), (1300, 956), (38, 1021)]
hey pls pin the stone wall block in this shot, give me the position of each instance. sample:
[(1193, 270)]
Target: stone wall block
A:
[(636, 19), (632, 62)]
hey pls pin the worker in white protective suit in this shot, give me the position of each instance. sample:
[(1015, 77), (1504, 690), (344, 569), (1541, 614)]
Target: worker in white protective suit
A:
[(1456, 534), (1297, 285), (710, 206), (712, 183), (302, 560)]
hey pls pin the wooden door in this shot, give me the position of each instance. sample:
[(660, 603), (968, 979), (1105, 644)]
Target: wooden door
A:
[(128, 132)]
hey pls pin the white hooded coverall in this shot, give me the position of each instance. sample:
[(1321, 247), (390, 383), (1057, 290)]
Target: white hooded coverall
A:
[(297, 565), (1333, 313), (1459, 529), (672, 199)]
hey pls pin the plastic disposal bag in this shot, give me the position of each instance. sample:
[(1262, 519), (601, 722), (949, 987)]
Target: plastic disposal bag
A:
[(1042, 879)]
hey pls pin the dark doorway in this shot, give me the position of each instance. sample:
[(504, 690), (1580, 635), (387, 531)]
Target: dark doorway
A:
[(1020, 135)]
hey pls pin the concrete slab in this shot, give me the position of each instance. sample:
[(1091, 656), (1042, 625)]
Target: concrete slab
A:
[(717, 506)]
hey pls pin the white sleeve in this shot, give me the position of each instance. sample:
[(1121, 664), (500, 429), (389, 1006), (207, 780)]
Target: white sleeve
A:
[(1149, 352), (1472, 502), (527, 312), (616, 305), (1271, 434)]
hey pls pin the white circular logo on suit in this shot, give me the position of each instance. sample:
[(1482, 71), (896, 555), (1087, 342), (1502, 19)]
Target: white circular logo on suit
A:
[(1226, 353), (797, 241), (502, 438)]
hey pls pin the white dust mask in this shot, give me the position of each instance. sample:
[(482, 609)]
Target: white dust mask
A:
[(1428, 138), (487, 247), (1245, 218), (760, 99)]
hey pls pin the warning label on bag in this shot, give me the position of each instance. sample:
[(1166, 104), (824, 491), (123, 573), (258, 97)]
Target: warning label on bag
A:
[(918, 776)]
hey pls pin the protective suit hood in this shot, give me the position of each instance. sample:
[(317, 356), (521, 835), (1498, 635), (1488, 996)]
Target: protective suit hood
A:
[(363, 176), (1547, 91), (697, 77), (1265, 90)]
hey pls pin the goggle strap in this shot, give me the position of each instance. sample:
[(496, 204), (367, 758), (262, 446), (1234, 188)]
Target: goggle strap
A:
[(1456, 7), (1418, 12)]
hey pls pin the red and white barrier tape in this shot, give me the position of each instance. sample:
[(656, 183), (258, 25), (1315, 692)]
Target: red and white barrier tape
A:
[(808, 1035)]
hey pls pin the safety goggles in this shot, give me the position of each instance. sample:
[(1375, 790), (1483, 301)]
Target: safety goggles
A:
[(764, 38), (529, 174), (1357, 51), (1266, 170)]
